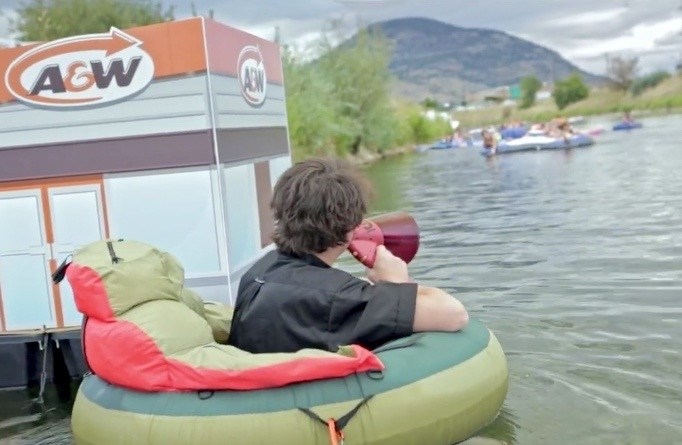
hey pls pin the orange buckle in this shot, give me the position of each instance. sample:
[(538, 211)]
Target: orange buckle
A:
[(335, 435)]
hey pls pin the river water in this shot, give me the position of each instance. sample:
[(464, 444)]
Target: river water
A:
[(573, 259)]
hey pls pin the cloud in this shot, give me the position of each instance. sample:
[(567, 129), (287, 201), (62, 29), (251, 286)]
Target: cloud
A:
[(6, 17), (256, 12), (289, 30), (641, 37), (589, 18), (578, 29), (581, 30)]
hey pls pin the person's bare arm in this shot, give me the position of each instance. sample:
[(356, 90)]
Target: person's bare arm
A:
[(388, 267), (436, 310)]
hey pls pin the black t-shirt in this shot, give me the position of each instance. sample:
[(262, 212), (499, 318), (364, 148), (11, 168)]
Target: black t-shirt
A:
[(287, 303)]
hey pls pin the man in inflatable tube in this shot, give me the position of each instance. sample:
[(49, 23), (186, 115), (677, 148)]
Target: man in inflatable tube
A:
[(293, 297)]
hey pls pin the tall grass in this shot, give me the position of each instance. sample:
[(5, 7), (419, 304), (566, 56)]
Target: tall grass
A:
[(665, 97)]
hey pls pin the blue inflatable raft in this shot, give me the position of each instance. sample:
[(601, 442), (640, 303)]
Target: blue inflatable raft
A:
[(627, 126), (537, 143), (443, 144), (513, 132)]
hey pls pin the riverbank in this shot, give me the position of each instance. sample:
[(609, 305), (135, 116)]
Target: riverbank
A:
[(366, 157), (536, 245), (665, 98)]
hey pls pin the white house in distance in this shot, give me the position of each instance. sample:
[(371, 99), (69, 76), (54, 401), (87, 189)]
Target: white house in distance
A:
[(171, 134)]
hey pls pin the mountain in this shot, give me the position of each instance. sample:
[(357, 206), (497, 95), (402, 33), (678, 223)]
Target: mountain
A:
[(444, 61)]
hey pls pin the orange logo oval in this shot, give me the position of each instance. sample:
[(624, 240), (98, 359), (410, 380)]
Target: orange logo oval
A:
[(252, 80), (88, 70)]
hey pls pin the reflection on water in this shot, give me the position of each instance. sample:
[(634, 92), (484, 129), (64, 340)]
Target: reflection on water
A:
[(571, 258), (388, 177), (503, 429), (25, 421)]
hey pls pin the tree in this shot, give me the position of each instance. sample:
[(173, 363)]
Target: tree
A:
[(42, 20), (570, 90), (430, 103), (359, 71), (195, 13), (313, 124), (338, 97), (530, 85), (622, 72)]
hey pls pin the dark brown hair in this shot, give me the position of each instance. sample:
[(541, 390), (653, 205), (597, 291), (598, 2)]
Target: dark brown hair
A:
[(316, 203)]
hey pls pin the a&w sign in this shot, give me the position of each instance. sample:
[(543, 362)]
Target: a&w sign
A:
[(82, 71)]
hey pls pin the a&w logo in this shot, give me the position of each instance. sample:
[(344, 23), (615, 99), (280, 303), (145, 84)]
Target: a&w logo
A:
[(81, 71), (252, 80)]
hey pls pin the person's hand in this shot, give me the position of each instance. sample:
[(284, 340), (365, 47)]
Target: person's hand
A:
[(388, 267)]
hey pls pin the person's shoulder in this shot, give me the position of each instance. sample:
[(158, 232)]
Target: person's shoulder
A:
[(327, 279), (281, 264), (267, 259), (262, 264), (314, 277)]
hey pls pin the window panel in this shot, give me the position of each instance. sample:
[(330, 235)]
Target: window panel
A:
[(241, 207), (277, 167), (173, 211)]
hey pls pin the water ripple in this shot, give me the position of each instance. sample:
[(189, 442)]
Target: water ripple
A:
[(573, 260)]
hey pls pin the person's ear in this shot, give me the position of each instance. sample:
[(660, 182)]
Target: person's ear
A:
[(349, 237)]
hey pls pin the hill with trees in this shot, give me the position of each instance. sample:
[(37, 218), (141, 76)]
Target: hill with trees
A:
[(436, 59)]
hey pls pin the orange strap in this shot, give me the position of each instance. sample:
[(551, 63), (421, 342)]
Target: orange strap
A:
[(334, 434)]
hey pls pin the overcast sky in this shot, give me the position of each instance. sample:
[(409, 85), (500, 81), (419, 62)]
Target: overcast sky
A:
[(584, 31)]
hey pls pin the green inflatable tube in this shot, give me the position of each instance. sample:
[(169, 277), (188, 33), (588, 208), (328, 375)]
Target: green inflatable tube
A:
[(437, 388)]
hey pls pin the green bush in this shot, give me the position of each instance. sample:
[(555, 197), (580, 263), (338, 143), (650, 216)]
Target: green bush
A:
[(570, 90), (649, 81), (359, 76), (340, 102), (41, 20), (312, 118), (430, 103), (423, 129), (530, 85)]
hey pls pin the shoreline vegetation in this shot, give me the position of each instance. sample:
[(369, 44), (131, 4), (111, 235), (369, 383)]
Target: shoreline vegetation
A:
[(338, 90), (666, 97), (339, 102)]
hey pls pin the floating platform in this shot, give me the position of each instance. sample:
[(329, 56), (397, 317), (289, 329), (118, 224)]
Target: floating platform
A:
[(35, 357)]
